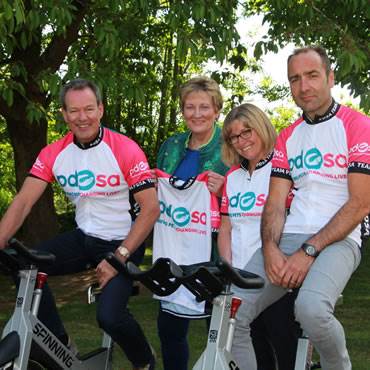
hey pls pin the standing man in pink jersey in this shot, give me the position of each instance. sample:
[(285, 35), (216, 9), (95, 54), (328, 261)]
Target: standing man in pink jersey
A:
[(100, 172), (325, 157)]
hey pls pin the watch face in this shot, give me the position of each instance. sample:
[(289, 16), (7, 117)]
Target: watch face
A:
[(123, 251), (310, 250)]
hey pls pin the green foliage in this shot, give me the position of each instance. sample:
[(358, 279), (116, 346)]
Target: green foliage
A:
[(272, 92), (282, 116), (139, 52), (340, 26), (7, 178)]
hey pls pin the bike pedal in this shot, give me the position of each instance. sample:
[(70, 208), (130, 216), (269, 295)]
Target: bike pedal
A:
[(93, 292)]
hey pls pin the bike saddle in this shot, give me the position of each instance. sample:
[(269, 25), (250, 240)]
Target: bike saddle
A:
[(159, 278)]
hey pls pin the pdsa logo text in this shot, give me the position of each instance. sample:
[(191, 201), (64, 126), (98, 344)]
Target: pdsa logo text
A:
[(247, 200), (313, 159), (138, 168), (182, 216), (84, 180)]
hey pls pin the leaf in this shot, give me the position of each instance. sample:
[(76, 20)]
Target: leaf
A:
[(19, 11), (8, 11), (198, 10), (23, 40), (8, 96), (258, 50)]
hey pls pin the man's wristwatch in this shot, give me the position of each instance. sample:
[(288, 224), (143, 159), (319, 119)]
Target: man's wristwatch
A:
[(310, 250), (123, 251)]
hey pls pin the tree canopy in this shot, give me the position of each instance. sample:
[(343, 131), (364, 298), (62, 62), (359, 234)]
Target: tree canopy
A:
[(342, 27), (139, 52)]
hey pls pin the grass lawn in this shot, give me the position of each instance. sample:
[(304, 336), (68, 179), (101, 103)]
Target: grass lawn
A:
[(79, 317)]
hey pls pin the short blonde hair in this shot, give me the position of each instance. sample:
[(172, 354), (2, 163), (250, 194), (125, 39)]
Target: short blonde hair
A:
[(252, 117), (202, 83)]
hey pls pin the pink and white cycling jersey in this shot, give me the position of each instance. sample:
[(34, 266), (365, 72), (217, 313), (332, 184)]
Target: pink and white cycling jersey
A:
[(242, 201), (183, 231), (317, 157), (97, 178)]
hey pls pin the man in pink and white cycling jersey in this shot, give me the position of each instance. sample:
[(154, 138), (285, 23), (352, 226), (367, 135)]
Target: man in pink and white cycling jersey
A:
[(325, 157), (100, 171)]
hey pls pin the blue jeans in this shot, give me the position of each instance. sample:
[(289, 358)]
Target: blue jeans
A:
[(77, 252), (172, 332)]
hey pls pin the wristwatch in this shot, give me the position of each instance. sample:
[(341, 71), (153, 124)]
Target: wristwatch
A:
[(310, 250), (123, 251)]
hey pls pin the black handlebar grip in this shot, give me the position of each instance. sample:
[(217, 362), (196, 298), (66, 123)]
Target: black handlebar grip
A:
[(116, 263), (31, 255)]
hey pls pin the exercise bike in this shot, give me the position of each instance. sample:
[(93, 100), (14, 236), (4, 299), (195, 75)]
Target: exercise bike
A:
[(207, 281), (24, 328)]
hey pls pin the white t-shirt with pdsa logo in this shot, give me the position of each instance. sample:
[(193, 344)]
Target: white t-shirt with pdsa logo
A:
[(183, 231), (242, 201), (97, 179), (317, 157)]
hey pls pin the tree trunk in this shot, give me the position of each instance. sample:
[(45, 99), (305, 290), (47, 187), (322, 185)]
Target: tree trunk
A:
[(163, 105), (28, 139)]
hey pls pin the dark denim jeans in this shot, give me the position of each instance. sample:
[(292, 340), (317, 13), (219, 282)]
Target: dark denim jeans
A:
[(77, 252)]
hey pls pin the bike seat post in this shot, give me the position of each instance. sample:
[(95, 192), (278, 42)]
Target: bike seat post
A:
[(41, 279), (235, 304)]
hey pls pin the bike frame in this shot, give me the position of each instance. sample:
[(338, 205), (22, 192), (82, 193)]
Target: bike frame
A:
[(217, 355), (28, 327)]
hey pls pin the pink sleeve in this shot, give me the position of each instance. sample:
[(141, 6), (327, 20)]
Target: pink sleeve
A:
[(357, 128), (215, 213), (160, 173), (280, 164), (215, 208), (132, 161), (43, 166), (225, 199)]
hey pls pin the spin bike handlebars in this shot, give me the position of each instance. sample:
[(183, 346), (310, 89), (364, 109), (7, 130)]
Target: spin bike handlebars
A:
[(17, 257), (205, 280), (160, 278)]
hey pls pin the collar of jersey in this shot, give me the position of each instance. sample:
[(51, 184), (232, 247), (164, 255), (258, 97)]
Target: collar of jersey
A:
[(260, 164), (92, 143), (179, 184), (331, 112)]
